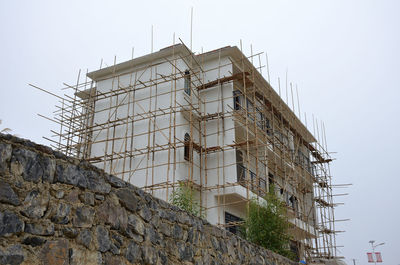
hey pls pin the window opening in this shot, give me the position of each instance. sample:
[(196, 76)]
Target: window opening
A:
[(232, 223), (237, 100), (187, 84), (186, 153)]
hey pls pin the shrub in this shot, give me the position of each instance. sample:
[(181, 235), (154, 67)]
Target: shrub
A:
[(183, 197), (266, 224)]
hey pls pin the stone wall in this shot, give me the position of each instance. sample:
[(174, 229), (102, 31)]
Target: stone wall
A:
[(58, 210)]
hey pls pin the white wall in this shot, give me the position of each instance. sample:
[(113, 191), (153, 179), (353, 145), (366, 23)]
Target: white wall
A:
[(148, 168), (169, 165)]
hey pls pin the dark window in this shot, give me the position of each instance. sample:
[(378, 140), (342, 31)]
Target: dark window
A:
[(271, 179), (232, 223), (250, 110), (260, 119), (271, 183), (253, 181), (268, 127), (291, 201), (237, 100), (263, 187), (241, 170), (187, 82), (295, 250), (186, 153)]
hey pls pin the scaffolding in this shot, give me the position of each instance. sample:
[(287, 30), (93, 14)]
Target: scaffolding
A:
[(135, 128)]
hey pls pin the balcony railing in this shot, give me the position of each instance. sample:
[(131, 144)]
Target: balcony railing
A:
[(259, 187), (256, 185)]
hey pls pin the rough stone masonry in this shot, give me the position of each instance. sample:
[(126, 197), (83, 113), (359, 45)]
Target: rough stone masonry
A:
[(58, 210)]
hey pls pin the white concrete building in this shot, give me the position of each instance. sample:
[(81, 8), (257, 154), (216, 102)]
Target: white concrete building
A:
[(210, 120)]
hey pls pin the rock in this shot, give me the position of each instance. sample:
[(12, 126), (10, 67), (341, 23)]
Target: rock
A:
[(114, 249), (177, 232), (165, 228), (215, 243), (43, 149), (103, 239), (163, 204), (7, 194), (59, 155), (96, 182), (152, 235), (5, 155), (184, 218), (185, 252), (146, 214), (112, 214), (128, 199), (99, 197), (115, 182), (150, 255), (256, 260), (137, 238), (85, 238), (167, 215), (118, 240), (40, 229), (133, 252), (84, 257), (230, 245), (33, 241), (206, 258), (135, 223), (31, 166), (25, 164), (35, 204), (163, 257), (61, 215), (153, 205), (87, 198), (83, 217), (141, 193), (49, 168), (60, 194), (171, 247), (10, 224), (222, 247), (55, 252), (193, 237), (71, 174), (13, 255), (73, 196), (155, 221), (113, 260), (70, 232)]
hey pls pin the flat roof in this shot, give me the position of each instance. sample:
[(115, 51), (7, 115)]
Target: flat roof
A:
[(124, 66)]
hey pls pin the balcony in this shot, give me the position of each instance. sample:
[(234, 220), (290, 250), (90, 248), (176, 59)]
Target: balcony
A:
[(256, 185)]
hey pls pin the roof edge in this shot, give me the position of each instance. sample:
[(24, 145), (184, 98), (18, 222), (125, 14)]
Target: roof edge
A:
[(112, 70)]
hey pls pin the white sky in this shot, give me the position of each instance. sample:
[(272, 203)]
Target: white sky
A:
[(343, 55)]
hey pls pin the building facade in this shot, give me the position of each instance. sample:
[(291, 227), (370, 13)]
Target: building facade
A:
[(210, 121)]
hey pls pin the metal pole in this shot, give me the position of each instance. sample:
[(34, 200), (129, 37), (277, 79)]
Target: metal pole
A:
[(373, 250)]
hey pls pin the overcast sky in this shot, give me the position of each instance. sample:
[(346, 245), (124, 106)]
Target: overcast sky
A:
[(343, 55)]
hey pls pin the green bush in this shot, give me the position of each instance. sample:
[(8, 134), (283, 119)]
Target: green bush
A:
[(266, 225), (183, 197)]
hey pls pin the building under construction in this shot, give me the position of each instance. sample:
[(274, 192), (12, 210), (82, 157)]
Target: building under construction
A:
[(211, 121)]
